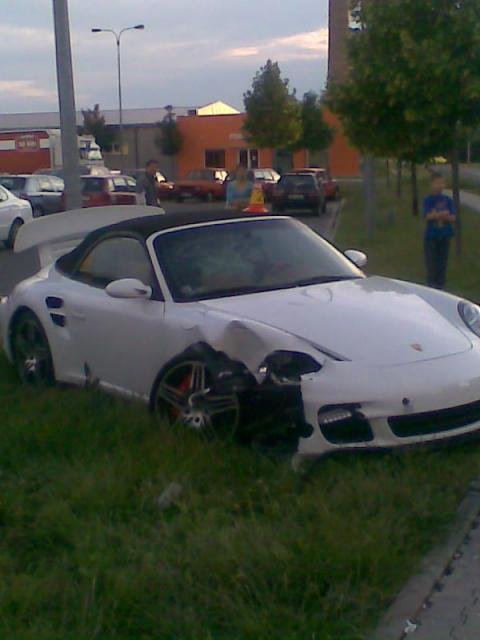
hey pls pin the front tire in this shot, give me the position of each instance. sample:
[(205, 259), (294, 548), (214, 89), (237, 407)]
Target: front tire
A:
[(184, 396), (31, 352), (16, 224)]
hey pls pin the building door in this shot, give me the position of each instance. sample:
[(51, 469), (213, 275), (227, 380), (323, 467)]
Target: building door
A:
[(248, 158)]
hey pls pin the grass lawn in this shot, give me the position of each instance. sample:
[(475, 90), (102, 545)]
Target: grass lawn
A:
[(396, 250), (250, 551)]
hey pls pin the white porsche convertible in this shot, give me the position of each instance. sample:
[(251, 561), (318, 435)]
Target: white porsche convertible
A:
[(216, 320)]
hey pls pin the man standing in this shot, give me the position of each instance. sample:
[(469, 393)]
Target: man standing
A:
[(147, 186), (439, 213)]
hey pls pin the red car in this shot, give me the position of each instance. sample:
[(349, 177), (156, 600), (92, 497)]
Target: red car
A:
[(330, 186), (101, 191), (204, 184)]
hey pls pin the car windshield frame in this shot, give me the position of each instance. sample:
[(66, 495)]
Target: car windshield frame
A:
[(349, 270)]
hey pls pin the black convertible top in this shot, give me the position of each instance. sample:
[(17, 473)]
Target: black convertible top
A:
[(145, 227)]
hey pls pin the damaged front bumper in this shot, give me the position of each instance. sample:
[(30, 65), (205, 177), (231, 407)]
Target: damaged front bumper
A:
[(351, 406)]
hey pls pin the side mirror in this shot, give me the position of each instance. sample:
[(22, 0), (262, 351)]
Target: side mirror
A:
[(357, 257), (129, 288)]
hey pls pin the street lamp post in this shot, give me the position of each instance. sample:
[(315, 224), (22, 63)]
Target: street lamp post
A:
[(117, 36)]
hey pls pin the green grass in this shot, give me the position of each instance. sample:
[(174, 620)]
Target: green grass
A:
[(396, 248), (250, 551)]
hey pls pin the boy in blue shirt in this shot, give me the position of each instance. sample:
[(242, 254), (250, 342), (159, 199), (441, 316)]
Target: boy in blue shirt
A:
[(439, 212)]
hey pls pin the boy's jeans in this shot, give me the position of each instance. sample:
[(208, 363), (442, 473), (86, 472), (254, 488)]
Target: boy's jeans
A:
[(436, 258)]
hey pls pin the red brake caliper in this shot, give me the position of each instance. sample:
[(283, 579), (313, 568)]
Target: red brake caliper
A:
[(183, 387)]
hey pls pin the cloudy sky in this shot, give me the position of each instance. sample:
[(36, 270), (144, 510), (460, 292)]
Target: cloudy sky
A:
[(191, 52)]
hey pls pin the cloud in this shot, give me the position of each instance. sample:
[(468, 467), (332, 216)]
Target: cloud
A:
[(32, 38), (300, 46), (25, 89)]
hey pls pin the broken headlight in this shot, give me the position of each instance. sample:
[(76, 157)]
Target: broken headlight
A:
[(287, 367), (470, 314)]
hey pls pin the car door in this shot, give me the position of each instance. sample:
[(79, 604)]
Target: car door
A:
[(58, 188), (49, 199), (7, 214), (119, 340)]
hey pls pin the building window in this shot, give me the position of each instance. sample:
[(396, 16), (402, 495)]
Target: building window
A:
[(248, 158), (215, 158)]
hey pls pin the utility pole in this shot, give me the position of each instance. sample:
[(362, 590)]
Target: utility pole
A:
[(66, 100)]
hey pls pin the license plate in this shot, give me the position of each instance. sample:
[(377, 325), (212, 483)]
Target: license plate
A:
[(295, 197)]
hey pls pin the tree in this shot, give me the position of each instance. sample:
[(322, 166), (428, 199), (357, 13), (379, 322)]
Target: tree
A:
[(273, 117), (169, 138), (414, 81), (316, 134), (94, 124)]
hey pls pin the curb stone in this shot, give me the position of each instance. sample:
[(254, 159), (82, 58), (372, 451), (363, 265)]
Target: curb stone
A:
[(400, 619)]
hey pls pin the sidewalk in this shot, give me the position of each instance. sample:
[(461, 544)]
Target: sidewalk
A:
[(442, 602)]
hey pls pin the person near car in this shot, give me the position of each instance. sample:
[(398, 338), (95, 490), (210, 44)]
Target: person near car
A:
[(147, 193), (239, 190), (439, 212)]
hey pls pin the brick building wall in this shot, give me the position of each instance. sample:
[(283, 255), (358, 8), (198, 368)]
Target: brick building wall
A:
[(338, 30)]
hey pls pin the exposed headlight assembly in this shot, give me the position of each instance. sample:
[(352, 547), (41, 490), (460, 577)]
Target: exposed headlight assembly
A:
[(287, 367), (470, 314)]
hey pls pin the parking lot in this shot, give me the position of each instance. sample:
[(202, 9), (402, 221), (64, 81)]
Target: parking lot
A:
[(16, 267)]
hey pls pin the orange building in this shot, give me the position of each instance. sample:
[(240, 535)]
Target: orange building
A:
[(218, 141)]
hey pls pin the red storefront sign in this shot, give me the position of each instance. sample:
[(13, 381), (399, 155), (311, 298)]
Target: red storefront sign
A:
[(27, 142)]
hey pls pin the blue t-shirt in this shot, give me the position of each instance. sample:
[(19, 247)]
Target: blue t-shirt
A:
[(235, 193), (435, 228)]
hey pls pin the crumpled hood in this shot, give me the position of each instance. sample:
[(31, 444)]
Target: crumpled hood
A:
[(374, 320)]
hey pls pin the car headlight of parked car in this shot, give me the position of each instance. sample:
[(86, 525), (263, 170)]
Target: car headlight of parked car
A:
[(287, 367), (470, 314)]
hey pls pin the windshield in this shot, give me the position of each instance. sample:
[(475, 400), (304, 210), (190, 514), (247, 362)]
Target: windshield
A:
[(249, 256), (12, 183)]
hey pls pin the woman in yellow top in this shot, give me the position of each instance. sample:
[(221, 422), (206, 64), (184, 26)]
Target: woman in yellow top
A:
[(239, 190)]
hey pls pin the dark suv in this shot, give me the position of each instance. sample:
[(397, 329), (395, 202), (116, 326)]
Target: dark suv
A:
[(299, 191), (45, 193)]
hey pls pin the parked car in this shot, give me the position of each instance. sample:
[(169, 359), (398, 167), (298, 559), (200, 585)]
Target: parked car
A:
[(14, 212), (165, 188), (204, 184), (218, 321), (99, 191), (330, 185), (299, 191), (44, 192), (268, 178)]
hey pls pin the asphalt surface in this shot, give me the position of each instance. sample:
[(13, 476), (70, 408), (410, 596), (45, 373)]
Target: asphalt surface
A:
[(16, 267)]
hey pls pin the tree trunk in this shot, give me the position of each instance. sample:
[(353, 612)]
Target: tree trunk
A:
[(413, 168), (370, 195), (456, 192), (399, 179), (387, 167)]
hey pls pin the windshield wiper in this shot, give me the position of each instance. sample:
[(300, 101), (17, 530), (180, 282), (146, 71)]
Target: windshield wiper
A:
[(322, 280)]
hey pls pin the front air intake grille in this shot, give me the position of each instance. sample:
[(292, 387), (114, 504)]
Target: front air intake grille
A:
[(353, 430), (423, 424)]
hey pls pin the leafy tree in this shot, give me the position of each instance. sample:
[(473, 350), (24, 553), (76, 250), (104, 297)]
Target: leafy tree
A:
[(94, 124), (273, 117), (169, 138), (414, 83), (316, 134)]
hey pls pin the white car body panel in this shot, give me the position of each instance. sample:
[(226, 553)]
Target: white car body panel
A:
[(392, 348), (11, 209)]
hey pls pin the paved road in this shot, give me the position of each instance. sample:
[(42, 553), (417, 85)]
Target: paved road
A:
[(16, 267)]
